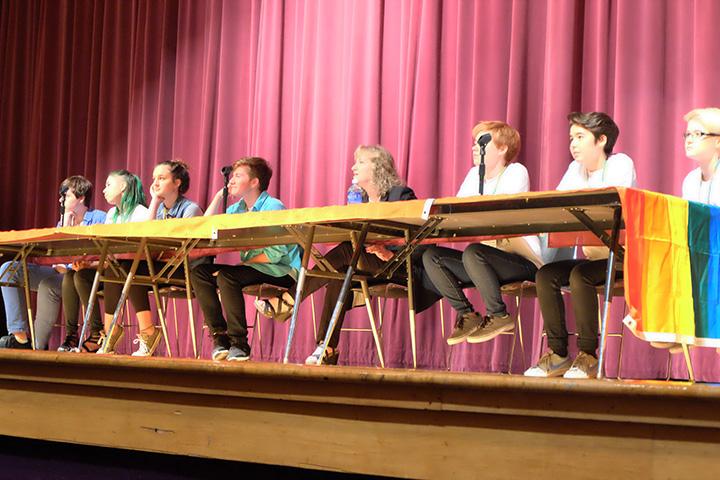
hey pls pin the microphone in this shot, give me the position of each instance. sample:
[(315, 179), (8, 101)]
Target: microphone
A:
[(482, 143), (226, 171), (63, 190), (484, 140)]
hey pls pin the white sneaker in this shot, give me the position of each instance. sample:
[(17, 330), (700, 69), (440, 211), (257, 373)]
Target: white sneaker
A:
[(549, 365), (147, 343), (331, 357), (314, 356), (585, 366)]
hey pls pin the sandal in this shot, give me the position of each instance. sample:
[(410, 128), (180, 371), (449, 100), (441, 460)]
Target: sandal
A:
[(281, 313), (93, 343)]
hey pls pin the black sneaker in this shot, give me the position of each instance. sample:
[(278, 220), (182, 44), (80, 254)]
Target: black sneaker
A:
[(238, 354), (9, 341), (465, 325), (69, 345), (221, 348)]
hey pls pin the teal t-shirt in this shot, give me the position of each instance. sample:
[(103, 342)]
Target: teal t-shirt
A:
[(284, 259)]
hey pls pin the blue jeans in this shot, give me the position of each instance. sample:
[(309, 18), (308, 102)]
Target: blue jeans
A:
[(48, 283)]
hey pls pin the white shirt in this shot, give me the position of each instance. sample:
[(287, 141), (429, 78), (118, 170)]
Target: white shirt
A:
[(618, 171), (697, 190), (513, 179), (139, 214)]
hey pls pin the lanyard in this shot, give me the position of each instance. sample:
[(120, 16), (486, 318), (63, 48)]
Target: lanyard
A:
[(498, 180)]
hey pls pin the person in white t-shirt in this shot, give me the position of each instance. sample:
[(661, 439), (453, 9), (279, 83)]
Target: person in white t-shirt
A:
[(488, 265), (592, 138), (702, 144)]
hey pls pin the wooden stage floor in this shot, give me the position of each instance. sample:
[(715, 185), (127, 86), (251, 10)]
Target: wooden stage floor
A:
[(402, 423)]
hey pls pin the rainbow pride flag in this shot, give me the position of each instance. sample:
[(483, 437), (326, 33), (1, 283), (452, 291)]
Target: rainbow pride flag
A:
[(672, 268)]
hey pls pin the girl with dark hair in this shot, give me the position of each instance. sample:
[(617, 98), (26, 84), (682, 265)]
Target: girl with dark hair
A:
[(171, 180)]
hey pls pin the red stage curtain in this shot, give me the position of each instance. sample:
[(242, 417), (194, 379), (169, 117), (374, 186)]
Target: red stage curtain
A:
[(89, 86)]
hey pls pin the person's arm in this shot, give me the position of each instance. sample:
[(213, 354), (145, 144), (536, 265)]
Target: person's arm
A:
[(215, 205), (379, 251), (260, 258), (155, 202), (620, 171)]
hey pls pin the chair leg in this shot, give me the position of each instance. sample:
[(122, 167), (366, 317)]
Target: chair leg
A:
[(175, 317), (257, 329), (442, 320), (413, 338), (688, 362), (371, 317), (520, 331), (312, 307), (191, 313), (258, 332), (620, 352)]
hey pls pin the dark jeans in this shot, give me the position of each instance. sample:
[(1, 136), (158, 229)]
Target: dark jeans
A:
[(485, 267), (339, 257), (76, 287), (583, 276), (230, 279)]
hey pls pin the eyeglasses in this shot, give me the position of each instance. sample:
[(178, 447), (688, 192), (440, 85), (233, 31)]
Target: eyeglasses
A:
[(698, 135)]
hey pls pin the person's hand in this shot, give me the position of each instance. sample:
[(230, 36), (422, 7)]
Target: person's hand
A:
[(69, 219), (154, 197), (81, 264), (379, 251), (60, 268)]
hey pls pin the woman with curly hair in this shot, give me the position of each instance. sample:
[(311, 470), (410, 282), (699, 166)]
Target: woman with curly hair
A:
[(374, 171)]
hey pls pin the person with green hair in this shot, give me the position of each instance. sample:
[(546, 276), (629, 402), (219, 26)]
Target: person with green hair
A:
[(124, 191)]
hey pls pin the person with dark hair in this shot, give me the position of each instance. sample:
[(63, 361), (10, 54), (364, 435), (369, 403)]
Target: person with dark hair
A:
[(171, 180), (592, 139), (75, 197), (488, 265), (277, 265)]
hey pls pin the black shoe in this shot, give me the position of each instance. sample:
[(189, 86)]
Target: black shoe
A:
[(221, 343), (69, 345), (9, 341)]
